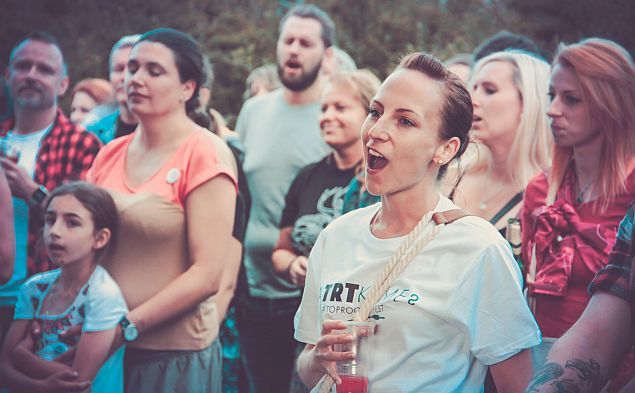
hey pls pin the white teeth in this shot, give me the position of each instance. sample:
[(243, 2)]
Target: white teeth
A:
[(374, 153)]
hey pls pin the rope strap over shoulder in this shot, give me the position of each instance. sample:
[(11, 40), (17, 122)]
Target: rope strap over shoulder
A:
[(449, 216), (415, 241)]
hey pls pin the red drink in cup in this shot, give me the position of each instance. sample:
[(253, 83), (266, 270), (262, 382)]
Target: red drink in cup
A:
[(353, 384), (15, 157), (354, 373)]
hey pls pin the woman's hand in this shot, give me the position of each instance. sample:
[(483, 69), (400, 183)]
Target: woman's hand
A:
[(297, 270), (324, 355), (63, 382)]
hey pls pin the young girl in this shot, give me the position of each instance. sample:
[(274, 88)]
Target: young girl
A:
[(79, 221)]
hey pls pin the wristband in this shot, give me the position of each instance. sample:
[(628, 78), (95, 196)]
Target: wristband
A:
[(38, 196)]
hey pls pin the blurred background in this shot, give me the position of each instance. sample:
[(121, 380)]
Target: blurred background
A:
[(240, 35)]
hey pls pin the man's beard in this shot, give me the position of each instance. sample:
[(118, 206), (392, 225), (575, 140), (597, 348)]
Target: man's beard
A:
[(34, 101), (303, 82)]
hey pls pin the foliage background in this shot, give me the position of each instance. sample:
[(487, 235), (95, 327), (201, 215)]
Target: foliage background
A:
[(240, 35)]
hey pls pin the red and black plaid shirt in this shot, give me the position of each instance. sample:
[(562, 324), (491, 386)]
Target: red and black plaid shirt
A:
[(66, 153), (617, 276)]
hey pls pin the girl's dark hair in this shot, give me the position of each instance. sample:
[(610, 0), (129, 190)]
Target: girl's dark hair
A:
[(96, 200), (456, 112), (188, 58)]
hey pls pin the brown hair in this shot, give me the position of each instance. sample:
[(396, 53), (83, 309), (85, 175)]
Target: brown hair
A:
[(314, 12), (607, 79), (456, 112), (97, 201)]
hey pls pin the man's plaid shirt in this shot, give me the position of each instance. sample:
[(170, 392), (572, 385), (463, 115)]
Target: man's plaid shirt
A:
[(615, 277), (66, 153)]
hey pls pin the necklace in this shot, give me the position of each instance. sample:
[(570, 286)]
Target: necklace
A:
[(484, 202), (58, 300), (583, 192), (580, 198)]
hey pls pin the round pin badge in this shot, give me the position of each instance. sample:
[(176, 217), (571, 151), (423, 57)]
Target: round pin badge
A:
[(172, 176)]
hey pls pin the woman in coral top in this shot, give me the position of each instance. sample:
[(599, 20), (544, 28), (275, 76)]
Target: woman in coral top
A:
[(174, 185), (571, 215)]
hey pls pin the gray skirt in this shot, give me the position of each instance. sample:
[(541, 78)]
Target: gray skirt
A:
[(149, 371)]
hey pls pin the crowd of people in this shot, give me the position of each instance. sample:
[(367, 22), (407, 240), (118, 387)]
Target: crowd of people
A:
[(478, 212)]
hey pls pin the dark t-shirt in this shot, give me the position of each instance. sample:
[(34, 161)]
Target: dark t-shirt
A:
[(314, 199), (123, 128)]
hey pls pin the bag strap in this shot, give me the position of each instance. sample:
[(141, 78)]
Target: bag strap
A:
[(531, 279), (415, 241), (516, 199)]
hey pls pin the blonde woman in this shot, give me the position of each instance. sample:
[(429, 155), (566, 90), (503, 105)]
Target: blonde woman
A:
[(317, 194), (509, 94), (315, 198)]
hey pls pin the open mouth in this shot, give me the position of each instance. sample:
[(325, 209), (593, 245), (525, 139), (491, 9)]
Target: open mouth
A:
[(55, 247), (376, 160), (293, 64), (556, 129)]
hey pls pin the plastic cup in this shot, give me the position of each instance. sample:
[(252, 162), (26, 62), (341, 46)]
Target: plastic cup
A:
[(9, 151), (354, 373)]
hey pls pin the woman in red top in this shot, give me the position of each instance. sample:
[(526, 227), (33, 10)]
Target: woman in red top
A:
[(570, 216)]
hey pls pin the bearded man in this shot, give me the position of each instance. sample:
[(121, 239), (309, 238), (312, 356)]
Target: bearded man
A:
[(280, 133)]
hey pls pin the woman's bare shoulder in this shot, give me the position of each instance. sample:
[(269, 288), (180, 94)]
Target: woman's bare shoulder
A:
[(223, 151)]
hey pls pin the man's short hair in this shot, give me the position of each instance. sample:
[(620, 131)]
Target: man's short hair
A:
[(126, 41), (316, 13), (504, 40), (41, 36)]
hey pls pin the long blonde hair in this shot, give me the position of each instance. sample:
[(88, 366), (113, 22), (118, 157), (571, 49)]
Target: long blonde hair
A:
[(607, 79), (530, 151)]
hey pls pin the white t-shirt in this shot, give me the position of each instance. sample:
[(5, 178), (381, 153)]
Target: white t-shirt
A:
[(456, 308), (98, 306)]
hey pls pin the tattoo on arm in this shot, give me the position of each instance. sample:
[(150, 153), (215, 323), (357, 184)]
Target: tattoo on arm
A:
[(584, 376), (549, 372), (588, 372)]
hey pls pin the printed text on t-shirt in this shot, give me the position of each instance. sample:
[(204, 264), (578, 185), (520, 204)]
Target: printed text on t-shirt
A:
[(348, 292)]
